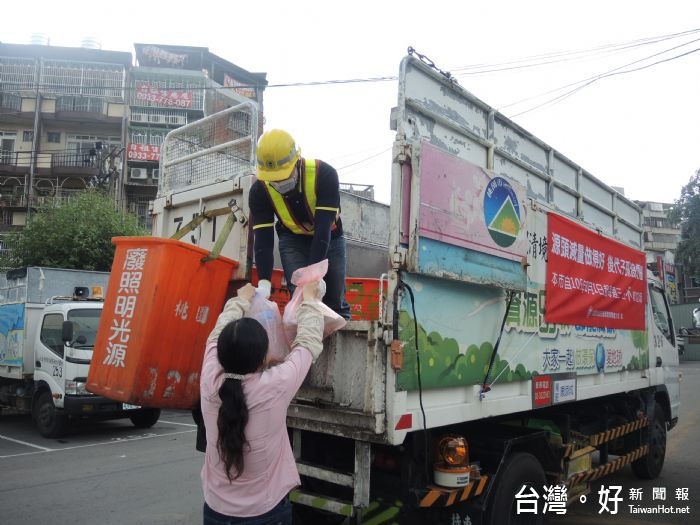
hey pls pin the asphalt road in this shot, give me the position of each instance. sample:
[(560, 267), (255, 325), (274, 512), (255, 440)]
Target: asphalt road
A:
[(112, 473), (107, 473), (681, 471)]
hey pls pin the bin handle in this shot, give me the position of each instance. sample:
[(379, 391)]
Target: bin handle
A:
[(235, 214)]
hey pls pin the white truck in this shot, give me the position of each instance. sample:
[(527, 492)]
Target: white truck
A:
[(48, 323), (521, 343)]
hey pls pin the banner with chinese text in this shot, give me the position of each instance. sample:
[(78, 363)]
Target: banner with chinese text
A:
[(593, 280), (172, 98), (147, 152)]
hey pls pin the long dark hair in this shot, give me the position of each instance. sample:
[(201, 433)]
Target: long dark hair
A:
[(241, 349)]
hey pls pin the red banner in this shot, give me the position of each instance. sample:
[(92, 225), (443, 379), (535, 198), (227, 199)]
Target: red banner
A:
[(163, 97), (147, 152), (593, 280)]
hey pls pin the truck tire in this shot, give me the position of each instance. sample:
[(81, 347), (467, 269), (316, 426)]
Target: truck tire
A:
[(521, 469), (649, 467), (48, 420), (145, 418)]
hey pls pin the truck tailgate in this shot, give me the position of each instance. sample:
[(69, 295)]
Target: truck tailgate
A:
[(344, 391)]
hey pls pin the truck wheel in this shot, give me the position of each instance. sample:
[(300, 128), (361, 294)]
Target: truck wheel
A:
[(520, 470), (145, 418), (49, 422), (649, 467)]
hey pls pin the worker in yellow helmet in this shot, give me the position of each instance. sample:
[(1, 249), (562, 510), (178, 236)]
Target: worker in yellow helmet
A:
[(303, 195)]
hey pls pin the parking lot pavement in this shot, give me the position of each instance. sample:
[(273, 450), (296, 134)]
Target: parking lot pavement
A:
[(19, 437)]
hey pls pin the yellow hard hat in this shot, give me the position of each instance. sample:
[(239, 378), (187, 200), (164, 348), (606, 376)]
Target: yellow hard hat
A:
[(277, 155)]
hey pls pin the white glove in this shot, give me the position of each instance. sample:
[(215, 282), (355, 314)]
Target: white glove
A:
[(264, 288), (314, 290), (310, 328)]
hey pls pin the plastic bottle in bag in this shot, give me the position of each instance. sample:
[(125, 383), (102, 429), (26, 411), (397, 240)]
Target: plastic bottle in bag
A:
[(267, 313)]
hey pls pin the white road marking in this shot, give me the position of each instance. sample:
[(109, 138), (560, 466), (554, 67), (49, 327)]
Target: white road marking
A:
[(176, 423), (6, 438), (114, 442)]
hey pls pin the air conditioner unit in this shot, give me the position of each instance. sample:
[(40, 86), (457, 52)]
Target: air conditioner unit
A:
[(155, 174), (138, 173)]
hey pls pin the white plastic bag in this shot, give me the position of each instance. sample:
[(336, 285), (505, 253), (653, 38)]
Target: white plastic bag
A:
[(267, 313), (332, 321)]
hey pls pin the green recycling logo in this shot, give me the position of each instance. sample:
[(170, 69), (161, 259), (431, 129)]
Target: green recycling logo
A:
[(501, 212)]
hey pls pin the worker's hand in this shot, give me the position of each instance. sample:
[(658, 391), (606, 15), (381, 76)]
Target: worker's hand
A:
[(246, 292), (264, 288), (314, 290)]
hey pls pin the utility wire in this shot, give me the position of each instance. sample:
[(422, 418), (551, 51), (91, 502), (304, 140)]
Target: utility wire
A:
[(536, 60), (365, 159), (580, 84)]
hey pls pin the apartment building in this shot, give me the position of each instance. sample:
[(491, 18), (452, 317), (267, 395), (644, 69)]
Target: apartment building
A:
[(71, 118), (172, 86), (661, 238), (62, 113)]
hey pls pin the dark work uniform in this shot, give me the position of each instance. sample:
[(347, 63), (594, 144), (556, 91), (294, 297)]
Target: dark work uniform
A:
[(297, 249)]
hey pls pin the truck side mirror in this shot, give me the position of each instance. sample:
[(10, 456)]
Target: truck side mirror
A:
[(67, 331)]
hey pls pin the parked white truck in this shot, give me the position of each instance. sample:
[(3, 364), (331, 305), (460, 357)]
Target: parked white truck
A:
[(48, 323), (521, 344)]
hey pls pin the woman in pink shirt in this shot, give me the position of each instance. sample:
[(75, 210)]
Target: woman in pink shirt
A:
[(249, 466)]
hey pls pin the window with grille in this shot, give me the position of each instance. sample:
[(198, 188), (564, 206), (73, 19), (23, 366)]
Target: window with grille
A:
[(54, 137), (27, 136), (66, 77), (138, 135), (82, 144), (7, 146), (17, 73)]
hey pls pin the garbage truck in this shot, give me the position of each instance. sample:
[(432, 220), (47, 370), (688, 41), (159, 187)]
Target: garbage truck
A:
[(520, 348), (48, 324)]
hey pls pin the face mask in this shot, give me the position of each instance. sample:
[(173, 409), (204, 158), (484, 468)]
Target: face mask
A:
[(286, 185)]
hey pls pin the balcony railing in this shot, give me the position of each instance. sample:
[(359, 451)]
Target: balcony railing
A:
[(75, 160), (10, 102), (79, 104), (19, 200), (15, 158)]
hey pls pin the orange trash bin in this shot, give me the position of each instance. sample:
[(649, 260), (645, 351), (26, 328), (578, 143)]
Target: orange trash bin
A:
[(162, 303), (363, 297)]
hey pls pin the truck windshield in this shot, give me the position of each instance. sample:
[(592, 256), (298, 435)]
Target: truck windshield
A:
[(85, 323)]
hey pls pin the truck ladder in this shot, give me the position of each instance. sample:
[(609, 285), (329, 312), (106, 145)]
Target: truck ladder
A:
[(358, 481)]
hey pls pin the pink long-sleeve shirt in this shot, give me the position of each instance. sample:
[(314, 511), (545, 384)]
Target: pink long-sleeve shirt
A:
[(269, 471)]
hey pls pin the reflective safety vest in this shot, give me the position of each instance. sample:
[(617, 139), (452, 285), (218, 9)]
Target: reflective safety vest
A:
[(309, 191)]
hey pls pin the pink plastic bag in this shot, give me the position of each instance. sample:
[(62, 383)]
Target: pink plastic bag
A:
[(332, 321), (267, 313)]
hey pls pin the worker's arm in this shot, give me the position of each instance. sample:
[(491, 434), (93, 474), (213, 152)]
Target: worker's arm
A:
[(263, 219), (327, 207)]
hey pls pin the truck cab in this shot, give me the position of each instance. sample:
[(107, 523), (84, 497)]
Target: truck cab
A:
[(664, 361), (63, 347), (48, 325)]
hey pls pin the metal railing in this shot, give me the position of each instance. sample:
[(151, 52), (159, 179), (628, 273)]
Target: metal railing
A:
[(15, 158), (10, 101), (80, 104), (76, 160)]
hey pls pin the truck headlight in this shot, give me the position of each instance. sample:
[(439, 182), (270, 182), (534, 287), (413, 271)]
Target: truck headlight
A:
[(76, 388)]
